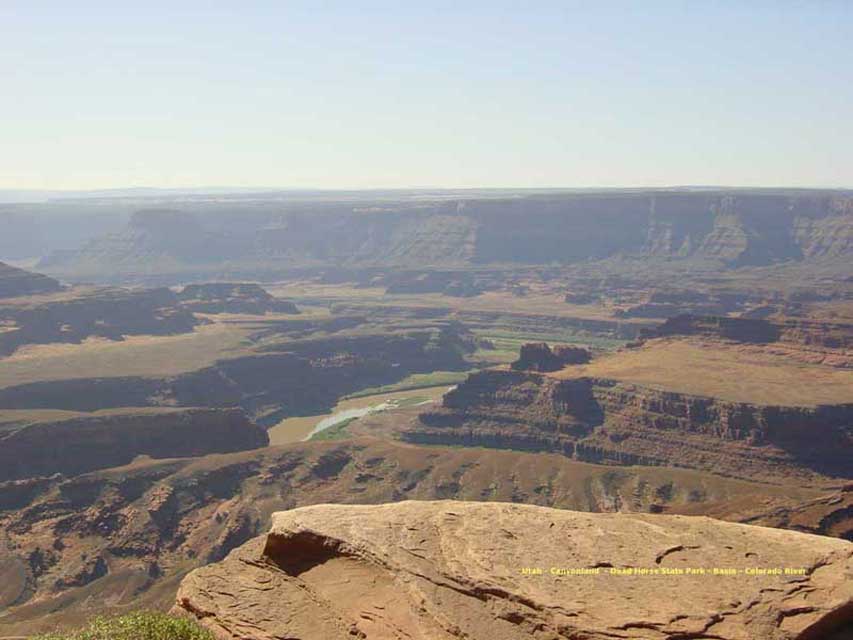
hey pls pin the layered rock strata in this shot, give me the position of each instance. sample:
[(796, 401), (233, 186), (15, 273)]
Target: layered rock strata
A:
[(445, 570), (601, 420), (77, 445)]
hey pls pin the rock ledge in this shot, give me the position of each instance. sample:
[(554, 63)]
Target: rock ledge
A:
[(442, 570)]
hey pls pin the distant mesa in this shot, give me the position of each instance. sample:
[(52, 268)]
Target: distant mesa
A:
[(16, 282), (233, 297), (164, 221), (738, 329), (448, 570), (538, 356), (84, 312), (722, 229), (795, 332)]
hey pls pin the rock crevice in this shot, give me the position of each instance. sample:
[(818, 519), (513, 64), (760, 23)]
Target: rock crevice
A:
[(448, 570)]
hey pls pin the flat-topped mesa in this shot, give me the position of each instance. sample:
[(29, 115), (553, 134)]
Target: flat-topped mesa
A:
[(738, 329), (538, 356), (233, 297), (805, 333), (445, 570), (77, 314), (731, 228), (607, 421)]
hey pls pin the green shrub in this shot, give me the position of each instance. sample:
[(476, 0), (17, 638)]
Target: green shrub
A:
[(139, 625)]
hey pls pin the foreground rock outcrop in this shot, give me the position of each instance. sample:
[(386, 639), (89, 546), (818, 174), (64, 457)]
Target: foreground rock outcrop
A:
[(153, 521), (506, 571)]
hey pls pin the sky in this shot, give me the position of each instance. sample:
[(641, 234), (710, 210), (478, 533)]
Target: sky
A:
[(425, 94)]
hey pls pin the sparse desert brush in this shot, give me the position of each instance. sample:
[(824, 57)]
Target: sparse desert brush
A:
[(139, 625)]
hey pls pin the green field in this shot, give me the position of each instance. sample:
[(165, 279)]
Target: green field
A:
[(416, 381), (335, 432)]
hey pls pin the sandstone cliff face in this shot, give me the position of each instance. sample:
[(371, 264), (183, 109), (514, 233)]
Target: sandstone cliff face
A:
[(447, 570), (18, 282), (78, 445), (734, 228), (600, 420)]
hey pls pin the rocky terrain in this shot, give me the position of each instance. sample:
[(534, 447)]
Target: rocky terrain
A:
[(75, 445), (548, 401), (684, 352), (296, 377), (599, 420), (122, 538), (737, 228), (466, 570), (113, 313), (77, 314), (829, 343), (228, 297), (16, 282), (540, 357)]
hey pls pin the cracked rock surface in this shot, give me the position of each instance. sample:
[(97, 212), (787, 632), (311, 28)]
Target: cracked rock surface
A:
[(447, 569)]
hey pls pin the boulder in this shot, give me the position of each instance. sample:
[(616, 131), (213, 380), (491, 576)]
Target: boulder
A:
[(446, 569)]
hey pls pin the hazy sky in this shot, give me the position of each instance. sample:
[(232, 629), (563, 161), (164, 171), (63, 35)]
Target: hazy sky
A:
[(420, 93)]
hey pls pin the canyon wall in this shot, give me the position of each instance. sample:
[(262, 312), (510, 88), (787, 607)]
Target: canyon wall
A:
[(77, 445), (737, 228), (601, 420), (301, 377)]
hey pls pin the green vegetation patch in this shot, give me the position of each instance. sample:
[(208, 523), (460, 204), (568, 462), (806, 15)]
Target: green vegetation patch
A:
[(409, 401), (335, 432), (139, 625), (416, 381)]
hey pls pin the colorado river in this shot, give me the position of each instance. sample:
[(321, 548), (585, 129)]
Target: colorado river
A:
[(303, 427)]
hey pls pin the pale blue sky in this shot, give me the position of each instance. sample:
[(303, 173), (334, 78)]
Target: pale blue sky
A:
[(409, 94)]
